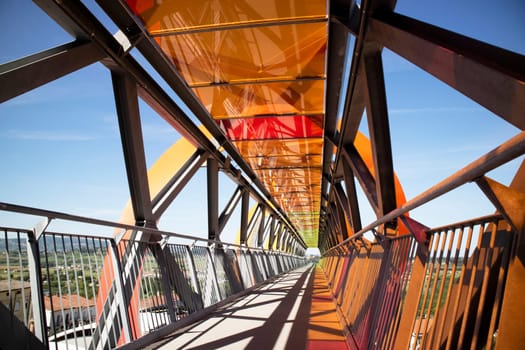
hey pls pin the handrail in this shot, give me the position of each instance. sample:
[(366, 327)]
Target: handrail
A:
[(500, 155), (413, 296), (459, 224), (76, 284), (77, 218)]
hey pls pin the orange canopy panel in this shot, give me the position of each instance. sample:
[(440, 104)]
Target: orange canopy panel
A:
[(235, 56), (259, 68), (278, 148), (266, 97), (172, 16)]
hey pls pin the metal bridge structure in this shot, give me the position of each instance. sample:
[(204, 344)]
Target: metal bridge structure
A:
[(271, 97)]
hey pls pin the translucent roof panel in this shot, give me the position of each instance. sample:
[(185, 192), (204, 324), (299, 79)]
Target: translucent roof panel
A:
[(248, 54), (169, 16), (276, 148), (304, 96), (265, 128), (284, 162), (259, 68)]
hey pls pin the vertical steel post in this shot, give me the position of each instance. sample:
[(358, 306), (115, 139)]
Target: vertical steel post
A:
[(273, 228), (213, 198), (262, 225), (215, 279), (415, 286), (355, 216), (35, 279), (277, 231), (120, 296), (193, 272), (160, 256), (510, 201), (244, 216), (126, 101)]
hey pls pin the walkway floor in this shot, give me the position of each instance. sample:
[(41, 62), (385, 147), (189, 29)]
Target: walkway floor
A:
[(295, 311)]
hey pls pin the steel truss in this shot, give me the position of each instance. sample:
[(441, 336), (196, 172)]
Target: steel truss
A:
[(491, 76), (130, 81), (495, 79)]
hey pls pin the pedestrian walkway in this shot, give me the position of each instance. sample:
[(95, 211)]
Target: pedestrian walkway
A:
[(294, 311)]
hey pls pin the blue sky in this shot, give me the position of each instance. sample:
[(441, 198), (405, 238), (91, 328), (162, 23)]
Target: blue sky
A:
[(60, 147)]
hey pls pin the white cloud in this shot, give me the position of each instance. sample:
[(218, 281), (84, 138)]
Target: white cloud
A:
[(155, 130), (102, 213), (44, 135), (433, 110)]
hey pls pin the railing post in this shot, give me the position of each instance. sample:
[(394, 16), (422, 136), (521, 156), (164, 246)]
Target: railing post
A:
[(120, 296), (376, 293), (279, 262), (246, 268), (35, 279), (511, 332), (164, 275), (214, 270), (378, 298), (510, 202), (417, 278), (193, 271)]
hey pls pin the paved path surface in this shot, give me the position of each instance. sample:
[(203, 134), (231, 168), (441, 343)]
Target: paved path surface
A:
[(294, 311)]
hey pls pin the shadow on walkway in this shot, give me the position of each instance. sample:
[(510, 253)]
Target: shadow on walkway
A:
[(295, 311)]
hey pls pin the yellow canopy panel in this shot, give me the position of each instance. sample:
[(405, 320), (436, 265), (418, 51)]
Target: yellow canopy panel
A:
[(259, 67)]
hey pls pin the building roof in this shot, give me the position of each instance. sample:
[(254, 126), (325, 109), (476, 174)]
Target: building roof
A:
[(68, 301)]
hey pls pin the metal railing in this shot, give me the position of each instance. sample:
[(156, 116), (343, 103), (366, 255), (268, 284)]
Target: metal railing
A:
[(15, 287), (78, 291), (447, 293), (369, 284), (461, 296)]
